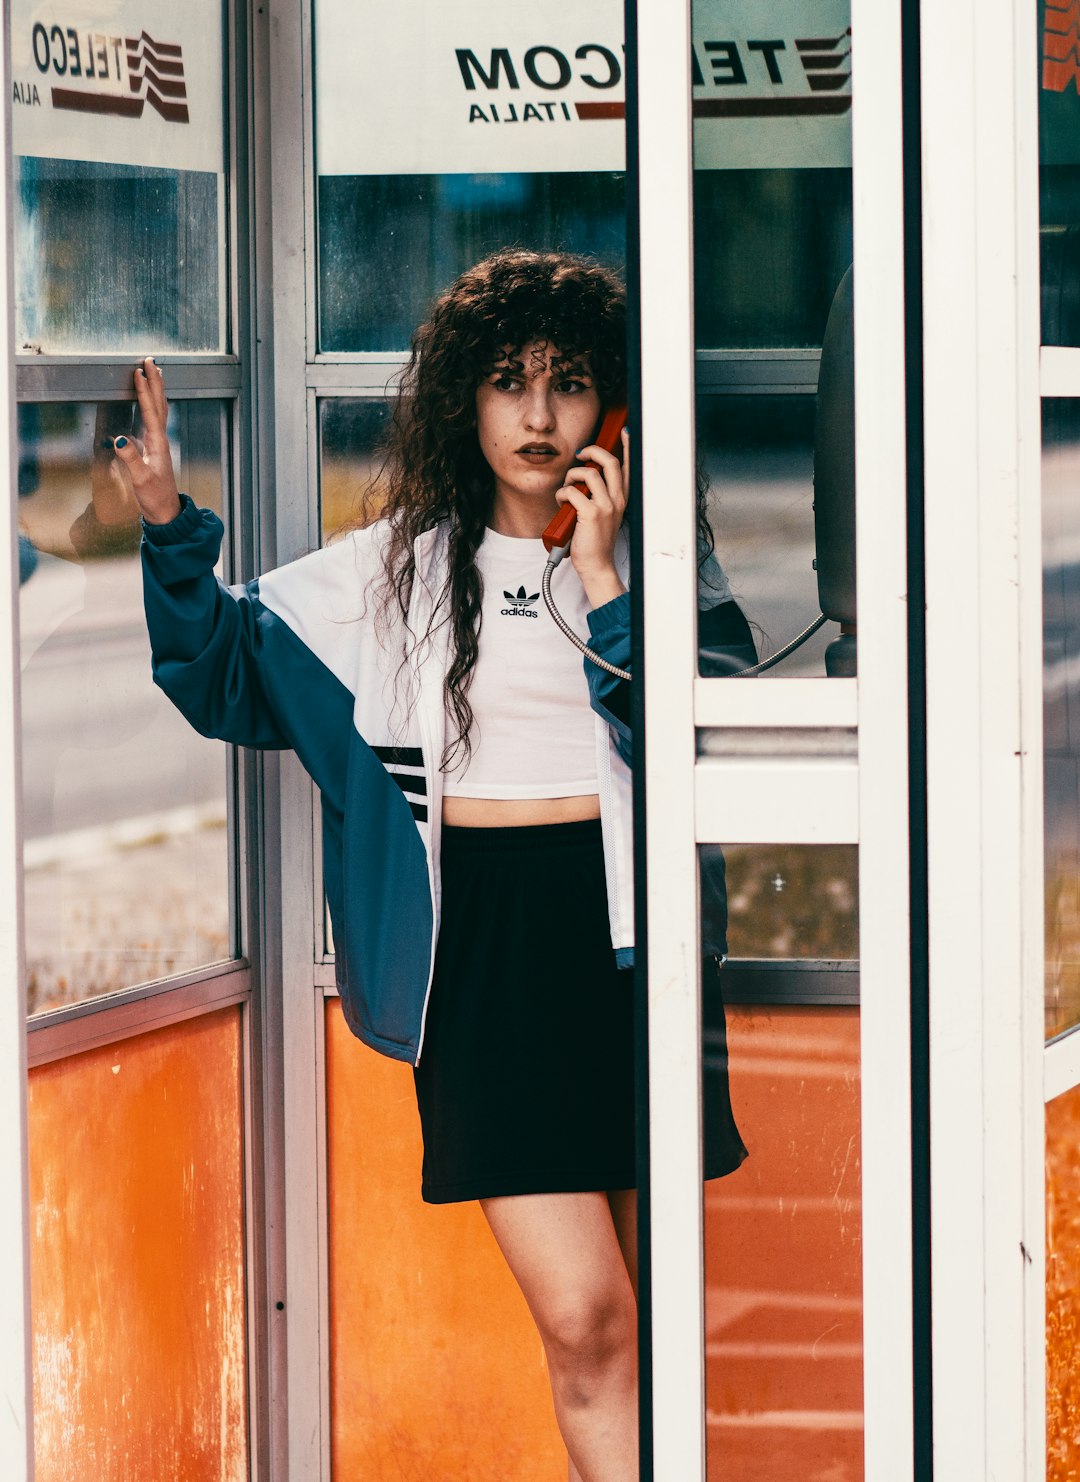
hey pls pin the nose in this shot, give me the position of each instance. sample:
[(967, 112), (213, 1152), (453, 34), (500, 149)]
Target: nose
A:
[(539, 409)]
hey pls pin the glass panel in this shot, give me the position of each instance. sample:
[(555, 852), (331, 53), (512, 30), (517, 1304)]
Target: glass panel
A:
[(757, 455), (1059, 173), (388, 244), (126, 844), (1062, 1286), (772, 260), (1061, 709), (782, 900), (137, 1258), (484, 1407), (350, 432), (770, 246), (510, 131), (119, 143), (783, 1270)]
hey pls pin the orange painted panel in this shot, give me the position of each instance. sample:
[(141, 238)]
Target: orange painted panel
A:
[(436, 1369), (783, 1256), (1063, 1287), (137, 1259)]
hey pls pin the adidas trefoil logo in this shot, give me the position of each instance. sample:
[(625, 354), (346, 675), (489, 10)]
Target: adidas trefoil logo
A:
[(520, 605)]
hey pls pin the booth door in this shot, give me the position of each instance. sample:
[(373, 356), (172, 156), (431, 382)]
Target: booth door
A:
[(771, 282)]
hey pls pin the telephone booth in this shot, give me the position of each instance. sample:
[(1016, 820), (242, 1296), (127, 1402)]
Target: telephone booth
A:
[(849, 232)]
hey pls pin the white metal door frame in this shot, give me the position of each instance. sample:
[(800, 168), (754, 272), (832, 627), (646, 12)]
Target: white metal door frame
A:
[(688, 802), (984, 735), (16, 1409)]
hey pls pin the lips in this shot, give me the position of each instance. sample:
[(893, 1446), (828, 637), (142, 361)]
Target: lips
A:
[(537, 452)]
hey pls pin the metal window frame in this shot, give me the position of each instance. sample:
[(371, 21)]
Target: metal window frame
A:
[(300, 1310)]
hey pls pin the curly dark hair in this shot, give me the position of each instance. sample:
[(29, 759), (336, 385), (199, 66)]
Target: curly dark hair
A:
[(433, 469)]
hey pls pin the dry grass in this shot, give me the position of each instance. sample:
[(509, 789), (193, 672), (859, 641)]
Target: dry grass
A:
[(793, 900), (1062, 992), (139, 913)]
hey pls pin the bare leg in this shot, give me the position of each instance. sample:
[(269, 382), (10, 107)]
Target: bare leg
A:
[(567, 1259), (623, 1206)]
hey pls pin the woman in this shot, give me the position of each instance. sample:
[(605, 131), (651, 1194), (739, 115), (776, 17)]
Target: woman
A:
[(475, 786)]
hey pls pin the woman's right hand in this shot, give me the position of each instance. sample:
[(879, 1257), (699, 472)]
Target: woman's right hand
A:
[(147, 469)]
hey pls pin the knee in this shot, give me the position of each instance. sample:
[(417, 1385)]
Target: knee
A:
[(586, 1339)]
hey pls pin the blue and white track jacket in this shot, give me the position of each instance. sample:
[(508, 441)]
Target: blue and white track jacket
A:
[(296, 660)]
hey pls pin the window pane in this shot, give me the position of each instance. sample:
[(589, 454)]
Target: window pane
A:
[(757, 454), (126, 843), (1061, 710), (781, 901), (119, 178), (509, 130), (770, 246), (350, 431), (773, 292), (1059, 175), (137, 1258), (772, 169), (783, 1271), (388, 244)]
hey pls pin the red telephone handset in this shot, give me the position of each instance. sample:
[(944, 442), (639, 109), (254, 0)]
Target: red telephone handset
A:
[(558, 533)]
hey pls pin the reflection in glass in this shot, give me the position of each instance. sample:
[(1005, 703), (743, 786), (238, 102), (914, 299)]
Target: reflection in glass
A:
[(783, 901), (772, 96), (757, 453), (1059, 174), (772, 170), (770, 246), (1061, 710), (124, 805), (117, 258), (783, 1271), (389, 243), (350, 435)]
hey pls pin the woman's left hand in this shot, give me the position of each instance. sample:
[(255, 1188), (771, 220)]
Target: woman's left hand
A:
[(599, 516)]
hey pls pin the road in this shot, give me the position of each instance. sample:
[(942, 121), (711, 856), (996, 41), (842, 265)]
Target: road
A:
[(100, 742)]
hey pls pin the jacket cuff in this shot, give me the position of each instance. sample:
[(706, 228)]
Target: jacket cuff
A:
[(185, 526), (613, 616)]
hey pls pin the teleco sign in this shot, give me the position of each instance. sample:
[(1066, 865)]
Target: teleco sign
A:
[(481, 86), (118, 82)]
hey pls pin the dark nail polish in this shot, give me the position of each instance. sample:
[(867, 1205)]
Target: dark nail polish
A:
[(106, 443), (121, 442), (142, 373)]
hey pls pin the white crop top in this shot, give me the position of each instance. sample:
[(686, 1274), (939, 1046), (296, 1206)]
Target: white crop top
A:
[(534, 732)]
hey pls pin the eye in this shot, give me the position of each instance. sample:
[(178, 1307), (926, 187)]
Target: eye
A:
[(568, 386), (504, 381)]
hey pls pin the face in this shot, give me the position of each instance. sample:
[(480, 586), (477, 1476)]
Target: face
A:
[(533, 412)]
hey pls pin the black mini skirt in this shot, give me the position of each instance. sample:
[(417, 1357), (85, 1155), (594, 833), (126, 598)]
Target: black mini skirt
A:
[(526, 1076)]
